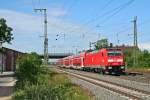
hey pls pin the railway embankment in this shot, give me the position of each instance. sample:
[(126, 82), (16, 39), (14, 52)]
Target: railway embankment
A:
[(125, 80), (125, 87), (36, 82), (100, 93)]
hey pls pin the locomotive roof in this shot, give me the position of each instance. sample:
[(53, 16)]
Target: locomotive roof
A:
[(95, 51)]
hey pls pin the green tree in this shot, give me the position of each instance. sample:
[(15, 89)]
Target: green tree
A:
[(129, 56), (144, 58), (5, 32), (28, 69), (5, 36), (103, 43)]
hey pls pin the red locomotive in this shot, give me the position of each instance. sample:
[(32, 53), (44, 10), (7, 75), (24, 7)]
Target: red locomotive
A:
[(104, 61)]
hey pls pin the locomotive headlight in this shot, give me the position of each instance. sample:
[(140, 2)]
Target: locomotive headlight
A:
[(119, 60), (122, 67), (109, 67), (110, 60)]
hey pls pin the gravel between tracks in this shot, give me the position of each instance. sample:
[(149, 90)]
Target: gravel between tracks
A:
[(124, 82), (99, 92), (143, 77)]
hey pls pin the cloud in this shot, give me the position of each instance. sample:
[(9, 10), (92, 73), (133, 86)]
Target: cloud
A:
[(27, 23), (145, 46), (57, 12), (28, 27), (21, 22)]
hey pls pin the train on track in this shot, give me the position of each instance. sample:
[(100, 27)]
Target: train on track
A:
[(105, 61)]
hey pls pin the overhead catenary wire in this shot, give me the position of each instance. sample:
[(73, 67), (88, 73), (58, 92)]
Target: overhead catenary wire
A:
[(113, 14), (128, 28), (140, 36), (33, 4), (109, 12), (68, 8), (125, 40), (39, 2), (72, 5), (117, 11), (130, 39), (142, 23), (107, 4), (103, 7), (113, 11)]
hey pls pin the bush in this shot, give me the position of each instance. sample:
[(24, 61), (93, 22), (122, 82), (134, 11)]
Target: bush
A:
[(18, 95), (143, 58), (57, 89), (36, 82), (28, 69)]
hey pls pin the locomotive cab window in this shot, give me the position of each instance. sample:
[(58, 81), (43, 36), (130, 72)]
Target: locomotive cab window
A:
[(114, 53)]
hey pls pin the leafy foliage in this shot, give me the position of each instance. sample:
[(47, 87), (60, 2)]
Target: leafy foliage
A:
[(54, 87), (36, 82), (103, 43), (28, 69), (5, 31), (143, 58)]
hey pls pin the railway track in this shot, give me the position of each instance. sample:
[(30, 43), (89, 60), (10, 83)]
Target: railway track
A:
[(128, 83), (123, 90)]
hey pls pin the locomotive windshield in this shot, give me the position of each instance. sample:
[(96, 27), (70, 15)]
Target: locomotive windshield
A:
[(114, 53)]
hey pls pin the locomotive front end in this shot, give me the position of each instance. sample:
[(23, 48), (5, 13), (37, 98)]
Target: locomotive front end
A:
[(115, 61)]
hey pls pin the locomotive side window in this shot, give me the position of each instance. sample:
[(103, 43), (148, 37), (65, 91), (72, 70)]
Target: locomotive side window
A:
[(114, 53)]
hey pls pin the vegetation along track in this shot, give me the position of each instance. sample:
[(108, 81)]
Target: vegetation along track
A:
[(128, 92)]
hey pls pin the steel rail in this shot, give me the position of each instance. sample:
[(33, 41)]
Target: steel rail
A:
[(145, 92), (128, 92)]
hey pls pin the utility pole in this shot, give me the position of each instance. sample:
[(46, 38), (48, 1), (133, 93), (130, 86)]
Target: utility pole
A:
[(135, 47), (90, 45), (45, 35), (118, 39), (76, 51), (135, 31)]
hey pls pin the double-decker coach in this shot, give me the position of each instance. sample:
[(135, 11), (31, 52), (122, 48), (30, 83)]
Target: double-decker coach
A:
[(104, 60)]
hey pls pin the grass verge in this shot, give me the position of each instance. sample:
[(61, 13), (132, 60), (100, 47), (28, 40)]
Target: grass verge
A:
[(139, 69), (52, 86)]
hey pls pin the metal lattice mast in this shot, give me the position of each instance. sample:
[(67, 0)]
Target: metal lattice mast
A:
[(135, 47), (45, 35)]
